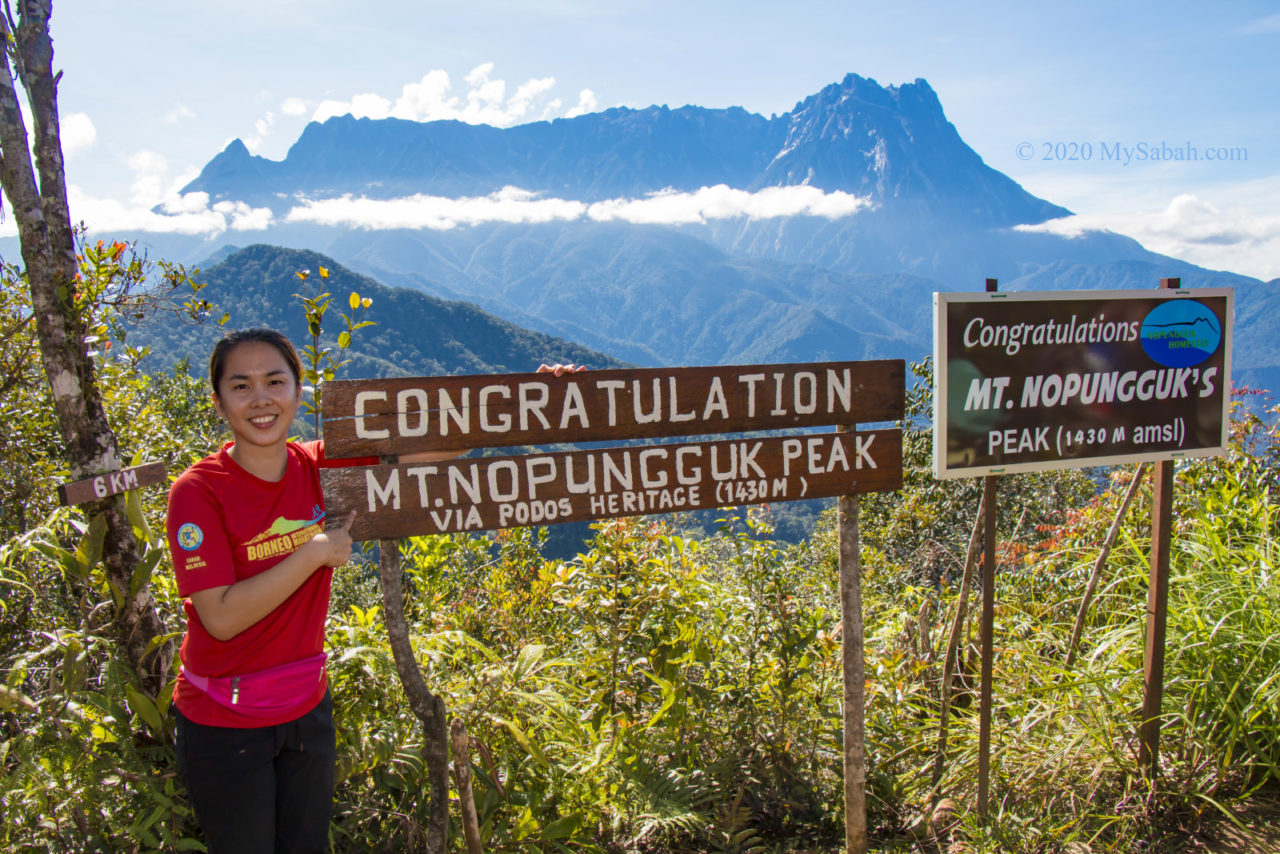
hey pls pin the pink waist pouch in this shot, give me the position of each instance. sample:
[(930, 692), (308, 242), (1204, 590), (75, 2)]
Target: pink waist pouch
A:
[(276, 689)]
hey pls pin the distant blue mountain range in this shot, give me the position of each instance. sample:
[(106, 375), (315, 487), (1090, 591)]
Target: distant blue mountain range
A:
[(724, 290), (893, 145)]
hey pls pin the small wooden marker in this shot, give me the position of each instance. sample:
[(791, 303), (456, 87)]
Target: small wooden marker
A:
[(111, 483)]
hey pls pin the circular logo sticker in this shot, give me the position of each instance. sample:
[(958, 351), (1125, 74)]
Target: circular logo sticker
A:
[(190, 536), (1180, 333)]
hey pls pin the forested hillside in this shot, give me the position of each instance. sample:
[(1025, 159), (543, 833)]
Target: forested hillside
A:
[(413, 334)]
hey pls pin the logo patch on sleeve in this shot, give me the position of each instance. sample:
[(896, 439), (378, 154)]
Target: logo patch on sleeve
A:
[(190, 536)]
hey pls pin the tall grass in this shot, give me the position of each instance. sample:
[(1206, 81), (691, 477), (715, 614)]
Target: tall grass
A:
[(1065, 744)]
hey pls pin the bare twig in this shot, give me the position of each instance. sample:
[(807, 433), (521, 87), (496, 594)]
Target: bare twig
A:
[(953, 643), (462, 774), (1096, 575)]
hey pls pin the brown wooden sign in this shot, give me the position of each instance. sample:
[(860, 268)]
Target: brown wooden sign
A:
[(111, 483), (412, 499), (399, 416)]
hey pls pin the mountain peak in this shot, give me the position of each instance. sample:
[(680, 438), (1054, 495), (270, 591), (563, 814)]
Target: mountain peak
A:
[(891, 144), (895, 145)]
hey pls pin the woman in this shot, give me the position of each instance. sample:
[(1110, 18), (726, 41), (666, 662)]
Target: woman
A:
[(246, 530), (252, 558)]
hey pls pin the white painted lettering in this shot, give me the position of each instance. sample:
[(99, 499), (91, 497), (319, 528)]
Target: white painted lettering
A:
[(654, 414), (533, 399), (460, 415), (611, 387), (839, 387), (648, 480), (750, 380), (513, 475), (363, 432), (585, 487), (421, 472), (862, 450), (814, 455), (531, 463), (412, 401), (715, 400), (687, 475), (612, 473), (777, 396), (676, 415), (376, 493), (457, 479), (791, 450), (805, 402), (729, 473), (574, 407), (503, 424), (746, 459)]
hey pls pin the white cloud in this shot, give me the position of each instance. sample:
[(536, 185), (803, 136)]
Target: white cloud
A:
[(368, 105), (156, 205), (479, 76), (587, 103), (426, 100), (1191, 229), (241, 217), (528, 94), (180, 113), (77, 133), (485, 101), (261, 130), (723, 202), (295, 107), (515, 205), (190, 214), (1262, 26), (435, 212), (150, 169)]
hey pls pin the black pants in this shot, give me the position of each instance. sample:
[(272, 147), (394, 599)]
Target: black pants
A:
[(264, 789)]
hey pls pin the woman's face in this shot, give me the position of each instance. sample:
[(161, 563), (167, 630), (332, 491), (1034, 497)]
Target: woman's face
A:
[(257, 394)]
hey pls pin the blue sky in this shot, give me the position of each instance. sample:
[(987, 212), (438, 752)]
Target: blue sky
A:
[(152, 89)]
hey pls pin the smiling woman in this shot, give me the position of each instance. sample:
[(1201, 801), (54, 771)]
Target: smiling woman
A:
[(246, 529)]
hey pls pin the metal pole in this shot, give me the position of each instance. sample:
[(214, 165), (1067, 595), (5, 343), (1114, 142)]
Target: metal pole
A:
[(1157, 607), (988, 629)]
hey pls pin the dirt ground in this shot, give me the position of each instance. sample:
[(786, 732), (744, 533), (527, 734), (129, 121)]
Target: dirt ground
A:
[(1260, 833), (1256, 830)]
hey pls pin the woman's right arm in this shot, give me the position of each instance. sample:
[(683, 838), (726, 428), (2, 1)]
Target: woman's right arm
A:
[(228, 610)]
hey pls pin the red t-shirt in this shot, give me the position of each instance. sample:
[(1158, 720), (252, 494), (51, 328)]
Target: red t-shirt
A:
[(226, 525)]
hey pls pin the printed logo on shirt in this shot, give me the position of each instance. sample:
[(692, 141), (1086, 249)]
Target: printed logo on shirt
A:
[(190, 536), (285, 536)]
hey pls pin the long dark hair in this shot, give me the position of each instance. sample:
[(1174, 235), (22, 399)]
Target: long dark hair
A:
[(218, 359)]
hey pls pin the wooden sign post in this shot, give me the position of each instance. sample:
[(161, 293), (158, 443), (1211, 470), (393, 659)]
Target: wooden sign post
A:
[(989, 517), (394, 417), (1157, 606), (110, 483)]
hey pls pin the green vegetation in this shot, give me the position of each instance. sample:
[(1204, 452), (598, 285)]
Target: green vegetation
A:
[(415, 335), (666, 689)]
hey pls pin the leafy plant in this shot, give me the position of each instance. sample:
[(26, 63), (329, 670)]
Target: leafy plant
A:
[(321, 364)]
